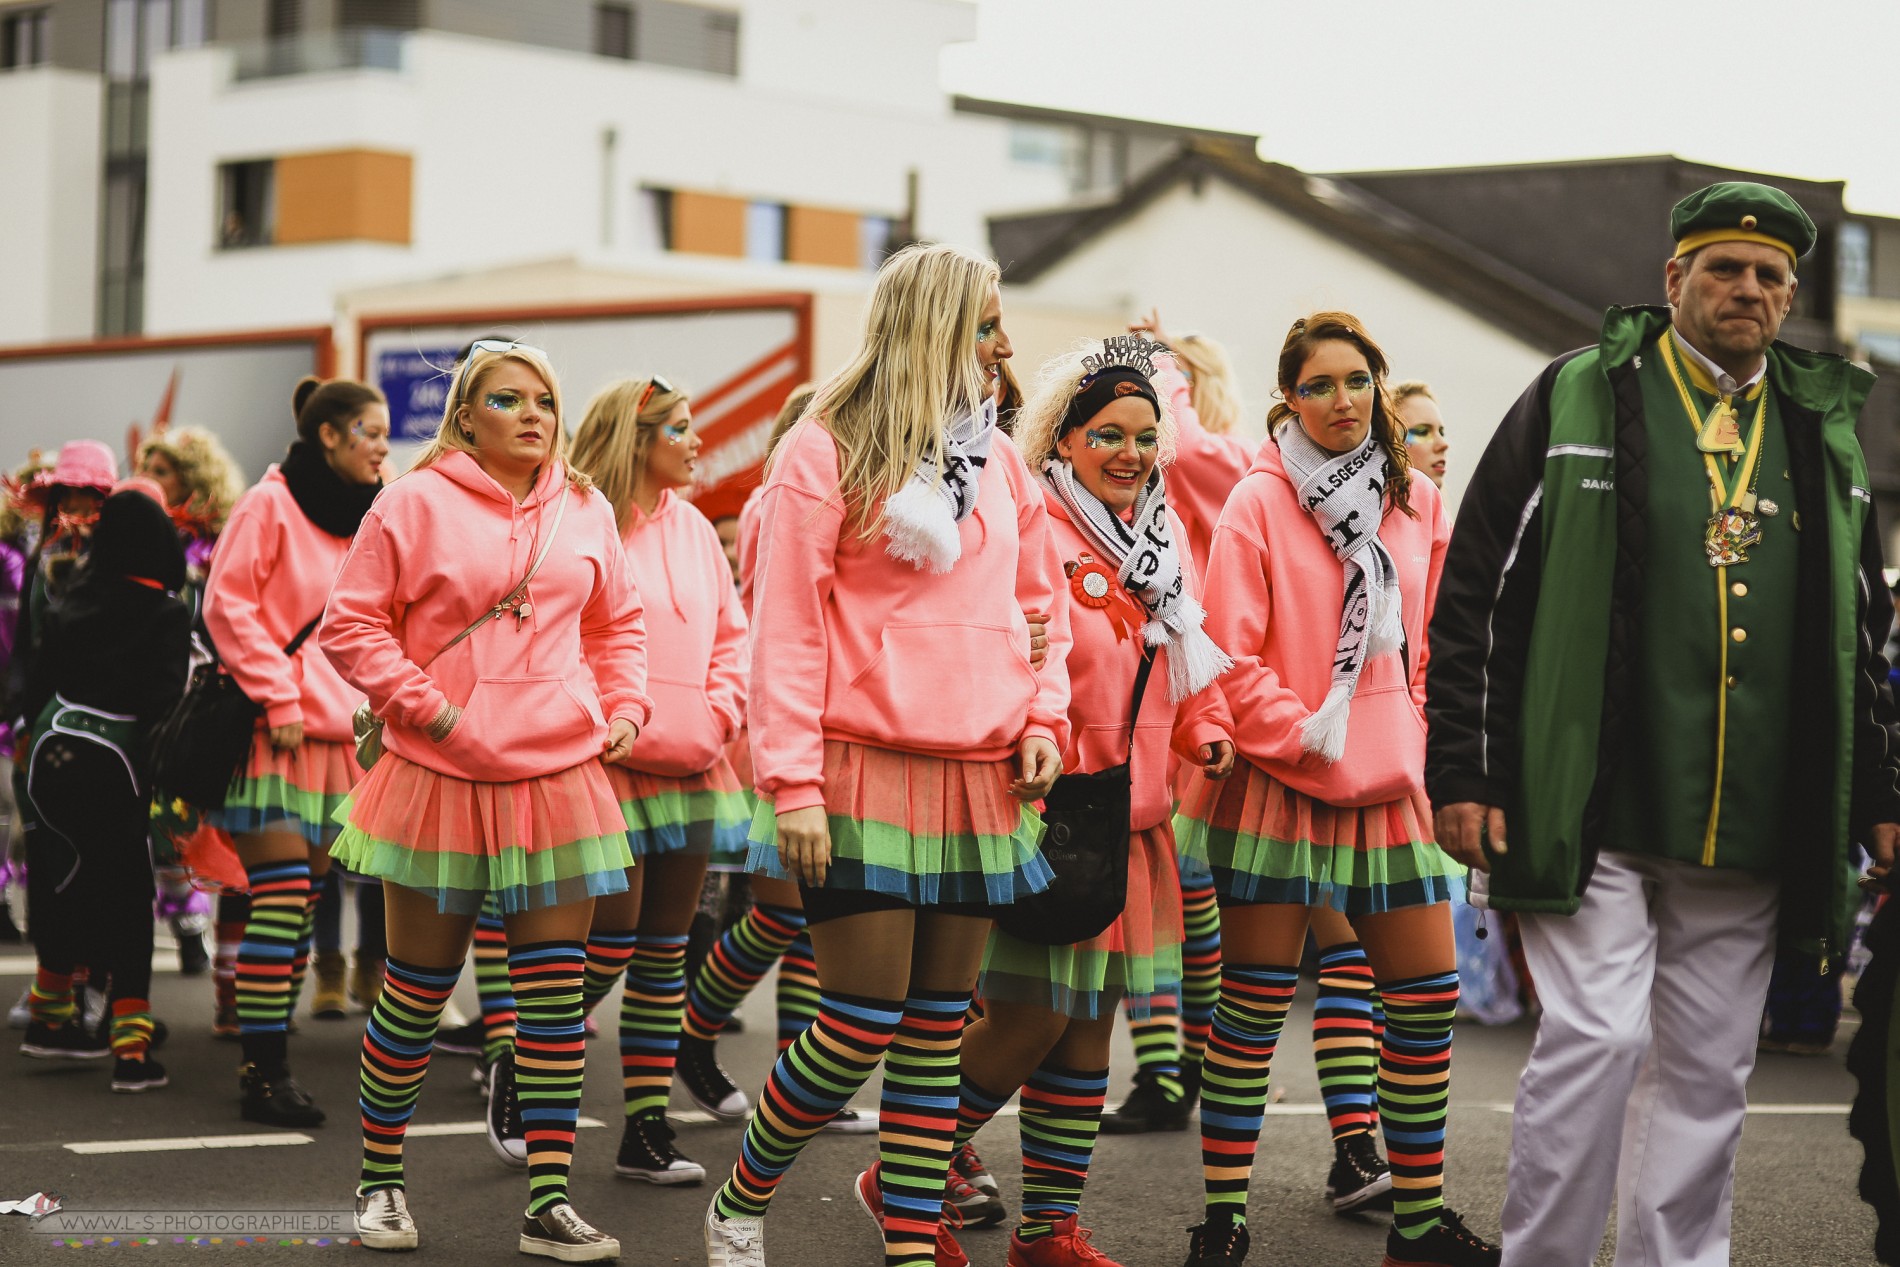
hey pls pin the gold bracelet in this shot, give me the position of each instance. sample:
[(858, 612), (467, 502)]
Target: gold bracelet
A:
[(444, 723)]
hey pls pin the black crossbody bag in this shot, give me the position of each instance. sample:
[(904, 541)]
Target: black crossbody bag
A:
[(198, 750), (1085, 842)]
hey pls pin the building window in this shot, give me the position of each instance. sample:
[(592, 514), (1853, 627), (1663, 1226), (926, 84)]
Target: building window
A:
[(191, 23), (655, 209), (874, 241), (282, 18), (613, 31), (25, 38), (1856, 261), (247, 210), (765, 231), (122, 253)]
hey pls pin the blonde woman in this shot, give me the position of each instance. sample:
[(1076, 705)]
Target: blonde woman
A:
[(493, 781), (681, 797), (1425, 441), (201, 483), (901, 541)]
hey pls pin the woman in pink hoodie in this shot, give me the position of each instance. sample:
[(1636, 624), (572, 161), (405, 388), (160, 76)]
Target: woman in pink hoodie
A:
[(898, 730), (270, 576), (492, 782), (1321, 580), (683, 802), (1098, 431)]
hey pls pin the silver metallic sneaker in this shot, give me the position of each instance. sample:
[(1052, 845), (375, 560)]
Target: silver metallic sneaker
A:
[(558, 1232), (382, 1220), (734, 1242)]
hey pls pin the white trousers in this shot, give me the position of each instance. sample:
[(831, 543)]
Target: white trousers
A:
[(1637, 1083)]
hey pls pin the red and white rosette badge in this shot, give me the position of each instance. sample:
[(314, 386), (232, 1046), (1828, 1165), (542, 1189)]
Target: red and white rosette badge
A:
[(1095, 586)]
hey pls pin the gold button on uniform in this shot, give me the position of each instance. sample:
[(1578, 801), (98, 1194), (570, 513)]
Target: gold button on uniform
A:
[(1739, 589), (1739, 634), (1731, 681)]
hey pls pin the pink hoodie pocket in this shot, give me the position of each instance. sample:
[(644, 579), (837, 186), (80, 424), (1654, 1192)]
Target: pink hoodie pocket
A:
[(1385, 748), (511, 727), (683, 738), (942, 687)]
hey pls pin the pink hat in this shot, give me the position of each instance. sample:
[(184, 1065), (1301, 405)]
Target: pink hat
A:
[(82, 464), (142, 484)]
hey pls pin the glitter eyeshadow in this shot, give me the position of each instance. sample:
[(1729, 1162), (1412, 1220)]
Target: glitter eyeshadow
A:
[(502, 402)]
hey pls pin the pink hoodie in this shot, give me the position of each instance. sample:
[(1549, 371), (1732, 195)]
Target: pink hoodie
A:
[(1102, 669), (1206, 467), (749, 545), (442, 544), (849, 643), (270, 575), (697, 657), (1274, 591)]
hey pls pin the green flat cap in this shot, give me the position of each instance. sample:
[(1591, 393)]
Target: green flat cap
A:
[(1741, 211)]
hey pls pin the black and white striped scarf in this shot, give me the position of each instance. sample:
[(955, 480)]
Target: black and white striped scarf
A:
[(921, 518), (1148, 565)]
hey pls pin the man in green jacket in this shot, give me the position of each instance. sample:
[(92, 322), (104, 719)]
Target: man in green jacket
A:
[(1656, 703)]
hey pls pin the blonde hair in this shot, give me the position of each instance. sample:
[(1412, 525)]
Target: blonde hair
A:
[(212, 480), (1211, 383), (915, 368), (448, 436), (1409, 388), (788, 415), (1039, 421), (614, 440)]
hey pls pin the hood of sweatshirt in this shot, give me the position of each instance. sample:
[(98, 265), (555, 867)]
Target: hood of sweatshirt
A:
[(463, 469)]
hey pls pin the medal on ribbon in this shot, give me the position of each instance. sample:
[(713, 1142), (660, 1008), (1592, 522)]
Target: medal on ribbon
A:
[(1728, 536), (1093, 585), (1722, 432)]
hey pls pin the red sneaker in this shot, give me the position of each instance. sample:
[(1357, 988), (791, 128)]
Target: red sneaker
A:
[(1067, 1246), (871, 1201)]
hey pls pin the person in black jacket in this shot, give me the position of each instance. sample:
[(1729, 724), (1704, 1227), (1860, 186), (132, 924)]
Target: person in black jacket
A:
[(112, 665)]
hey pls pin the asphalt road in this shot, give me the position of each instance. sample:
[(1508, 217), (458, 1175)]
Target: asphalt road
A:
[(1794, 1196)]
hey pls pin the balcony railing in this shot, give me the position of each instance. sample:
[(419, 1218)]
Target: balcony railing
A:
[(314, 52)]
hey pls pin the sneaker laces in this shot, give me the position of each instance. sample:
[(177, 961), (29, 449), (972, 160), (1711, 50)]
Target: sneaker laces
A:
[(1079, 1245), (964, 1163), (1455, 1227), (657, 1134), (565, 1222), (957, 1190)]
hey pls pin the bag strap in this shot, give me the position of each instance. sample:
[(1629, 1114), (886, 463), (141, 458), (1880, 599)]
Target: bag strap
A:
[(514, 594), (303, 635), (1148, 658)]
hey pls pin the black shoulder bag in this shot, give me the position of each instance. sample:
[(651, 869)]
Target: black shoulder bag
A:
[(198, 750), (1085, 842)]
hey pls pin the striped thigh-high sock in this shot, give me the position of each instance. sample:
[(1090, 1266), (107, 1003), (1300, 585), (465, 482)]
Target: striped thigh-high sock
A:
[(1414, 1088), (132, 1028), (1200, 967), (1346, 1027), (300, 962), (397, 1041), (1157, 1039), (266, 964), (491, 982), (650, 1011), (234, 911), (1062, 1113), (50, 998), (813, 1079), (607, 955), (975, 1107), (798, 991), (1254, 999), (737, 962), (917, 1123), (550, 1049)]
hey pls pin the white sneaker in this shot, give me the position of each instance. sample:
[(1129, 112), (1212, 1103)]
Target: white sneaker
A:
[(853, 1122), (20, 1015), (382, 1220), (734, 1242)]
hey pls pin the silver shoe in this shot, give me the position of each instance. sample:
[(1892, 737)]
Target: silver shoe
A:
[(558, 1232), (734, 1242), (382, 1220)]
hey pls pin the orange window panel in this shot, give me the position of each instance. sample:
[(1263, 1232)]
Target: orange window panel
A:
[(708, 224), (344, 196), (814, 235)]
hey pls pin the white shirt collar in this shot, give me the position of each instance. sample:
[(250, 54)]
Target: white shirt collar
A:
[(1725, 382)]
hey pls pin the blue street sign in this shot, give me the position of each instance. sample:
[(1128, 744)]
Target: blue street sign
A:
[(416, 384)]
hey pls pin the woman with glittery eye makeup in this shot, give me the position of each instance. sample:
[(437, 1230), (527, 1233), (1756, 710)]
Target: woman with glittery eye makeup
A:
[(683, 802), (1425, 442), (489, 614), (277, 558)]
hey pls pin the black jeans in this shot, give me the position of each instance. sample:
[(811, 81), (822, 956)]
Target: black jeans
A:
[(89, 868)]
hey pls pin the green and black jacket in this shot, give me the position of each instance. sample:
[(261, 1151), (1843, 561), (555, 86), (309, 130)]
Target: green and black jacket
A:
[(1540, 619)]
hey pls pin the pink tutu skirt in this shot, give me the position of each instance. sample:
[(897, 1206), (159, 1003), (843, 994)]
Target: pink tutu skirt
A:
[(706, 813), (298, 789), (529, 844)]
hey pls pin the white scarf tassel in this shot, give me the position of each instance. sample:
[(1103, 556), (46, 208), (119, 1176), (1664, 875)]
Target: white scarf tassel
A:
[(921, 529), (1388, 620), (1193, 658), (1325, 731)]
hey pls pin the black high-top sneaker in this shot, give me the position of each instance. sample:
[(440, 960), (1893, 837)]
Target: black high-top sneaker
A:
[(1219, 1242), (707, 1082), (1149, 1107), (273, 1098), (1360, 1179), (647, 1152), (1450, 1244)]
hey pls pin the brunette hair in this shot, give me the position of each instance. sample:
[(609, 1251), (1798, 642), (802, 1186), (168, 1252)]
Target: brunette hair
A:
[(616, 436), (1323, 327), (314, 402)]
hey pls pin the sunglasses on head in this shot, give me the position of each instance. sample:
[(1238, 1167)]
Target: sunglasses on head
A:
[(490, 345), (655, 386)]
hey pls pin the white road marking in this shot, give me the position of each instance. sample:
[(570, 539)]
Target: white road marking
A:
[(187, 1143), (474, 1128)]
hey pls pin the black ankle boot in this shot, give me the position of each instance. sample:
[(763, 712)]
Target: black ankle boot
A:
[(1219, 1242), (272, 1097), (1148, 1107)]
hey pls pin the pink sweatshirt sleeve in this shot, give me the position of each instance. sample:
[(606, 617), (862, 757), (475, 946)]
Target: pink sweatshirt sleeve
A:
[(1239, 606), (359, 635), (614, 635), (799, 526), (731, 665), (1038, 565), (252, 543)]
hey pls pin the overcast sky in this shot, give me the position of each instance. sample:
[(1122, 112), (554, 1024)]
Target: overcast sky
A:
[(1804, 89)]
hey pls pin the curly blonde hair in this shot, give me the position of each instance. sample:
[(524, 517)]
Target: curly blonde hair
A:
[(213, 482), (1039, 422)]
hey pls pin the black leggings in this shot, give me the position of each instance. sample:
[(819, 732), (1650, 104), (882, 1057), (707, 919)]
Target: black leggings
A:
[(89, 869)]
